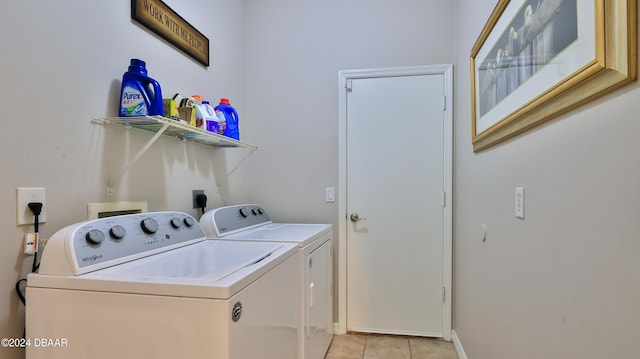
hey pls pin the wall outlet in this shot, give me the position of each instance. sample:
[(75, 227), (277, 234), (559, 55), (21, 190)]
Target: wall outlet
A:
[(24, 196), (194, 194), (30, 243)]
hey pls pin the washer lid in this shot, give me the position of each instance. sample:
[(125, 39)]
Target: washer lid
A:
[(207, 261), (207, 269), (303, 234)]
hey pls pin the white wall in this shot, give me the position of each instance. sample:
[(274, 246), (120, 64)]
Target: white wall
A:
[(61, 65), (565, 281)]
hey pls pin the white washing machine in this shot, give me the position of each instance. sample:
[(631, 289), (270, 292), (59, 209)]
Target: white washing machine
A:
[(251, 223), (153, 286)]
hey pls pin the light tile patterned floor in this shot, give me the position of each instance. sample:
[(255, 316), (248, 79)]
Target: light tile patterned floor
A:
[(362, 346)]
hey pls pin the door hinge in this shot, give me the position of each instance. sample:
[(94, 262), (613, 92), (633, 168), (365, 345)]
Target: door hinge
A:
[(444, 294), (444, 103), (444, 199), (349, 85)]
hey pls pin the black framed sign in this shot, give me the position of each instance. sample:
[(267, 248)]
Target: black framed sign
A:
[(161, 19)]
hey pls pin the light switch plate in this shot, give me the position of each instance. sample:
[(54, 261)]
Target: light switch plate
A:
[(330, 194), (520, 202)]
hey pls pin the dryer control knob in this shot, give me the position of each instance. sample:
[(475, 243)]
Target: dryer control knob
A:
[(94, 236), (188, 221), (149, 225), (243, 213)]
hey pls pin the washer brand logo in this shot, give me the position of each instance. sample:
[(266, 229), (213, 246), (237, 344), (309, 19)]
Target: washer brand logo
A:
[(93, 258), (236, 312)]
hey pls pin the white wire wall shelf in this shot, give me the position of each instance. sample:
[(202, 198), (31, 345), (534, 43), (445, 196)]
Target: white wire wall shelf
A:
[(169, 127), (164, 126)]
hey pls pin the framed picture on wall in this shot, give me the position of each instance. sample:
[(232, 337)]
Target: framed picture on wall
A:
[(158, 17), (537, 59)]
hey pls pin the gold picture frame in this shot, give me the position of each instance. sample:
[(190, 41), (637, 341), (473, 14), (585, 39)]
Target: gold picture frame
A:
[(537, 59)]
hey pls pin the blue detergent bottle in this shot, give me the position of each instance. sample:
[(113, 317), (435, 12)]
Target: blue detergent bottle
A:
[(140, 94), (231, 117)]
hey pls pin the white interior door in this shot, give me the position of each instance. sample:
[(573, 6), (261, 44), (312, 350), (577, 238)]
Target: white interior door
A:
[(396, 175)]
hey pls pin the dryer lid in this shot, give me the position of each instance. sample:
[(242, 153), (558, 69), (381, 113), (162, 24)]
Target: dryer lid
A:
[(303, 234)]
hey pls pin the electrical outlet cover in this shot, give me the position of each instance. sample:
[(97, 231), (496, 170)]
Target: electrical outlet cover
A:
[(23, 197)]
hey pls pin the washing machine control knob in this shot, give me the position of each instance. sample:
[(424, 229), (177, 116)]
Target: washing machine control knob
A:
[(117, 232), (243, 213), (257, 211), (94, 236), (188, 221), (149, 225), (176, 222)]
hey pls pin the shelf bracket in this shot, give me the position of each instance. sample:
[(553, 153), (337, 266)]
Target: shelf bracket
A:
[(135, 159), (219, 187), (241, 162)]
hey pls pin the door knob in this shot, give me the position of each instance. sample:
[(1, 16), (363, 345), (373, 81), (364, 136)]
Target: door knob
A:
[(356, 217)]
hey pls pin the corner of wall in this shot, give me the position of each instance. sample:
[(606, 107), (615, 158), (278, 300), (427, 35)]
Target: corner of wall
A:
[(458, 345)]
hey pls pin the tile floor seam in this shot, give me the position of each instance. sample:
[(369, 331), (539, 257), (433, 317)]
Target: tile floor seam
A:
[(369, 348), (366, 342)]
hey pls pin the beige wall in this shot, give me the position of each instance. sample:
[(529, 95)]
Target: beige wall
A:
[(565, 281), (61, 65), (277, 61), (294, 52)]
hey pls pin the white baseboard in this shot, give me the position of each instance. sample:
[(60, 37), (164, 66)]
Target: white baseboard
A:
[(458, 345)]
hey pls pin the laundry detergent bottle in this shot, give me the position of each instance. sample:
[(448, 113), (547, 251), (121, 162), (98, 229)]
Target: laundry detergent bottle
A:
[(206, 118), (140, 94), (231, 119)]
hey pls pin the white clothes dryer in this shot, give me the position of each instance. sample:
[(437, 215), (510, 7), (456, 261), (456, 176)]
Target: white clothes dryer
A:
[(251, 223), (153, 286)]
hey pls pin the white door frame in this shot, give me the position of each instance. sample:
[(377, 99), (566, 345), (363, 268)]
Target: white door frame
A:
[(343, 76)]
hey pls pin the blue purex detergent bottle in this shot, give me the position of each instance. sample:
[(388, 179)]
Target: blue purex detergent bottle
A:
[(140, 94), (231, 117)]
